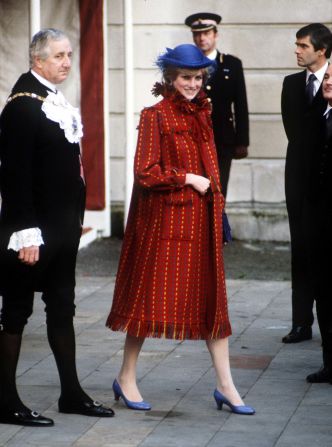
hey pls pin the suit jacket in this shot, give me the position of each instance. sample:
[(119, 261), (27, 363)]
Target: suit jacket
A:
[(227, 91), (320, 180), (40, 181), (302, 123)]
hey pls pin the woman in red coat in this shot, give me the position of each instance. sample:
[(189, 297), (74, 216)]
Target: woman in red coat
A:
[(170, 282)]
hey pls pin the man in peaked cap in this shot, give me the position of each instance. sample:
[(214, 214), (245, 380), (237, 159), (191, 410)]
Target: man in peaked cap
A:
[(227, 90)]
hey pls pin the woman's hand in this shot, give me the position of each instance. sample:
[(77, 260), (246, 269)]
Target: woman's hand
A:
[(198, 182), (29, 255)]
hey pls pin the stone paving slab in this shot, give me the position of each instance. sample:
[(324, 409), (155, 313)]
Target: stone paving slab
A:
[(177, 378)]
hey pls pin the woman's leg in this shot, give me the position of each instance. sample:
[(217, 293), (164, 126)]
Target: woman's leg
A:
[(220, 358), (127, 375)]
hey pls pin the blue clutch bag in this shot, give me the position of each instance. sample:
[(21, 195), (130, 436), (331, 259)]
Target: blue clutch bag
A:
[(226, 229)]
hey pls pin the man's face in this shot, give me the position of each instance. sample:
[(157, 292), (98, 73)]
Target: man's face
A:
[(206, 40), (306, 55), (55, 68), (327, 84)]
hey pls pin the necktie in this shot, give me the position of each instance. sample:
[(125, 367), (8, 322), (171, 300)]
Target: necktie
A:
[(309, 89), (328, 125)]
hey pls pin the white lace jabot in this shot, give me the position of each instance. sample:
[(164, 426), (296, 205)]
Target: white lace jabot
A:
[(58, 109)]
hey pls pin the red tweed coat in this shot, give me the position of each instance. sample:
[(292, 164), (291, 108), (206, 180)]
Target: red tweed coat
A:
[(170, 282)]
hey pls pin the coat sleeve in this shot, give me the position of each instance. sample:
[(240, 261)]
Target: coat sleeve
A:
[(241, 108), (19, 122), (287, 111), (149, 169)]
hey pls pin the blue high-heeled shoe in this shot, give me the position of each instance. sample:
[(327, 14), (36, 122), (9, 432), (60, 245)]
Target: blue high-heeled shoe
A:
[(238, 409), (145, 406)]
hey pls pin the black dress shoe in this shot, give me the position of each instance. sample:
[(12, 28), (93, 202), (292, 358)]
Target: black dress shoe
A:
[(92, 408), (297, 334), (323, 375), (25, 417)]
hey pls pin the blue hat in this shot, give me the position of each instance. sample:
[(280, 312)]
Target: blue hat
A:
[(183, 56)]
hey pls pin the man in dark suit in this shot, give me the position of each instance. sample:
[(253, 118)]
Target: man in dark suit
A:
[(302, 105), (43, 200), (227, 90), (318, 219)]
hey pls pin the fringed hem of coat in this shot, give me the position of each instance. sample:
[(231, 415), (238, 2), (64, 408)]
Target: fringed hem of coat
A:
[(175, 331)]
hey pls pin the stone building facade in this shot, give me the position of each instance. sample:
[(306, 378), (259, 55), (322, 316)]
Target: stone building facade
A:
[(262, 34)]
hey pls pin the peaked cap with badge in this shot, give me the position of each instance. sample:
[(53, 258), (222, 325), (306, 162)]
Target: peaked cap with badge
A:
[(202, 21)]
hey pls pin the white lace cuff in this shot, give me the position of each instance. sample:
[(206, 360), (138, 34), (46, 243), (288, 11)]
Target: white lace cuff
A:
[(25, 238)]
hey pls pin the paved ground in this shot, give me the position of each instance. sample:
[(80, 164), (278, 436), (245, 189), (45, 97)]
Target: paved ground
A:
[(176, 377), (243, 260)]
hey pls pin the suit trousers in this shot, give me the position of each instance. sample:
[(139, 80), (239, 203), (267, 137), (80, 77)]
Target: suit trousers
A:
[(318, 224), (302, 285)]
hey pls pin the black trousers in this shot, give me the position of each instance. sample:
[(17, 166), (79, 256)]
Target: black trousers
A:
[(302, 283), (318, 229), (302, 286), (53, 275)]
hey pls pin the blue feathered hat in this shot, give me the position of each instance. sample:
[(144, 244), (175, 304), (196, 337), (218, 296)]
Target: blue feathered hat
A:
[(183, 56)]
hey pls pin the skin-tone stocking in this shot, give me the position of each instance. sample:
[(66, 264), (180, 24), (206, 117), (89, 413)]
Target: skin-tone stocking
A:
[(220, 359), (127, 375)]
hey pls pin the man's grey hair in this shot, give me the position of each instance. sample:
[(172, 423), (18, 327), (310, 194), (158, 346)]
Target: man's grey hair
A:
[(39, 46)]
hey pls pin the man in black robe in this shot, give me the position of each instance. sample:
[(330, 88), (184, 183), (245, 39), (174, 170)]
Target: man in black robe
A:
[(43, 200)]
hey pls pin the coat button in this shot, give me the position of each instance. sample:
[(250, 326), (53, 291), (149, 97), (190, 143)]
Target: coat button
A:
[(208, 87), (226, 77)]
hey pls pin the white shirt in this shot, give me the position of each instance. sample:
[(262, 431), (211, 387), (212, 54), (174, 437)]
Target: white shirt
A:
[(319, 77), (328, 108), (44, 81), (212, 55)]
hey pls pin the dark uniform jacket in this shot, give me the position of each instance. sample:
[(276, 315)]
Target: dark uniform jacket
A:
[(40, 181), (227, 90)]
